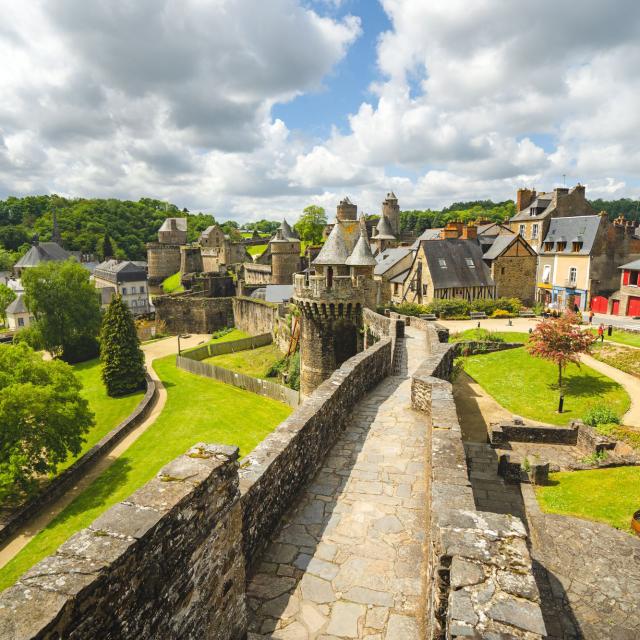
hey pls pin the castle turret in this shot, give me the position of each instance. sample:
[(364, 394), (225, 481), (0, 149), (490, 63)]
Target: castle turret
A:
[(391, 211), (384, 236), (163, 257), (346, 210), (285, 255)]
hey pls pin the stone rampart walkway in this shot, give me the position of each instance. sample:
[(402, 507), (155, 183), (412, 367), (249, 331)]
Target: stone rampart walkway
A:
[(347, 562)]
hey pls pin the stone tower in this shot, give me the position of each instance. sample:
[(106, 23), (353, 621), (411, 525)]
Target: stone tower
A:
[(190, 260), (163, 257), (391, 211), (285, 255), (346, 210), (331, 298), (384, 236)]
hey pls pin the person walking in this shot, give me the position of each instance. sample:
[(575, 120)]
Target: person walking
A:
[(601, 332), (591, 314)]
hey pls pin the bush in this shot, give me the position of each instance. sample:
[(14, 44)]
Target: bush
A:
[(600, 414), (501, 313), (287, 368), (410, 309), (31, 336), (80, 348), (448, 308)]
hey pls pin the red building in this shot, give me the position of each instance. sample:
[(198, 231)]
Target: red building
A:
[(625, 301)]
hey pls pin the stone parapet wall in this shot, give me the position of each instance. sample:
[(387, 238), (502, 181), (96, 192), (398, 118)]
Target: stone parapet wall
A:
[(70, 476), (186, 313), (479, 581), (282, 464), (254, 316), (166, 563)]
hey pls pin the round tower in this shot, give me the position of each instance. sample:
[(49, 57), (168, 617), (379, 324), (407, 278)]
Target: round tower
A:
[(285, 255), (391, 211), (346, 210), (163, 261)]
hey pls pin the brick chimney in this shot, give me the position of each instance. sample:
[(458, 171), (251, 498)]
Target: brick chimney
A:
[(452, 230), (469, 232), (524, 198)]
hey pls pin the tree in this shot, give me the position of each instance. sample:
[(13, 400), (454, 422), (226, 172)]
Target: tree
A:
[(66, 307), (7, 296), (311, 224), (561, 341), (122, 359), (43, 418), (107, 247)]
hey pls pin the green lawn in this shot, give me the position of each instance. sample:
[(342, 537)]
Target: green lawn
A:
[(109, 412), (252, 362), (480, 334), (605, 495), (621, 336), (197, 410), (526, 386), (172, 284), (256, 249)]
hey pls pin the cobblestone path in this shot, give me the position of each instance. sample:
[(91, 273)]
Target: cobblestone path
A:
[(347, 560)]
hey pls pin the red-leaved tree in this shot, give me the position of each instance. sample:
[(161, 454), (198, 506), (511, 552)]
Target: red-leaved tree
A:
[(561, 341)]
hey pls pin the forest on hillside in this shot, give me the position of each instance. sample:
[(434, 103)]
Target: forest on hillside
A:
[(86, 224)]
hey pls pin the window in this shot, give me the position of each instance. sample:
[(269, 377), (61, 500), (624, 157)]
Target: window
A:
[(577, 246), (548, 246), (502, 270), (534, 231), (561, 246), (442, 262), (521, 230), (141, 289), (546, 273), (21, 322), (124, 291), (134, 303), (424, 289), (573, 275), (470, 264)]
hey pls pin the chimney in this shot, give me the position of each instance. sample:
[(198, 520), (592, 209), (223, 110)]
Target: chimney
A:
[(579, 188), (173, 224), (470, 232), (451, 231), (524, 198)]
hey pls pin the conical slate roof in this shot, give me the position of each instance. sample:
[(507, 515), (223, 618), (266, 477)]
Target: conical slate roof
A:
[(334, 251), (287, 231), (361, 255), (384, 230)]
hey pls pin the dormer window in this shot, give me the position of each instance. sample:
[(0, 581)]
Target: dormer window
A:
[(442, 263), (577, 246), (470, 264), (562, 246), (548, 246)]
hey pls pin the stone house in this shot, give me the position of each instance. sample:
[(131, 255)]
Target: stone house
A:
[(127, 279), (18, 316), (446, 269), (218, 250), (534, 211), (580, 258), (391, 271)]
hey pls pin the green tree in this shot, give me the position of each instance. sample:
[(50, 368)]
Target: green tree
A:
[(311, 224), (66, 307), (7, 296), (107, 247), (43, 418), (122, 359)]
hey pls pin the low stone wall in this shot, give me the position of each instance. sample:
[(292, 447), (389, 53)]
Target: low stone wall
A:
[(257, 316), (282, 464), (166, 563), (220, 348), (480, 580), (504, 433), (473, 347), (188, 313), (65, 480)]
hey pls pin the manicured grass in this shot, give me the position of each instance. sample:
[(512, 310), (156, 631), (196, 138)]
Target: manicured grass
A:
[(109, 412), (172, 284), (621, 336), (618, 356), (480, 334), (252, 362), (234, 334), (605, 495), (197, 410), (256, 249), (526, 386)]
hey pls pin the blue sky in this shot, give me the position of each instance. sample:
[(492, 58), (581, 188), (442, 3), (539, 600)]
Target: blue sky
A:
[(247, 108)]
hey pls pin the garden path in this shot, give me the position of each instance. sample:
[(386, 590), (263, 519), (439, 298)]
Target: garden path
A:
[(152, 351), (347, 561)]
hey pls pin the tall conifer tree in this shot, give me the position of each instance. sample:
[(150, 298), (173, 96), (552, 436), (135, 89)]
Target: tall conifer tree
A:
[(123, 368)]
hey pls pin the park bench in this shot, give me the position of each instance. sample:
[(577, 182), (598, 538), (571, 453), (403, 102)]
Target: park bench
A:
[(428, 316), (477, 315), (526, 314)]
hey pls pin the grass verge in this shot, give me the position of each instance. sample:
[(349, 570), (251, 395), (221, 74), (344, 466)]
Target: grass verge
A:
[(525, 386), (604, 495), (487, 336), (197, 410), (172, 284), (252, 362)]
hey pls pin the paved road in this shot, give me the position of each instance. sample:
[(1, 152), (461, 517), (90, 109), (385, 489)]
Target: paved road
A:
[(347, 562), (152, 351)]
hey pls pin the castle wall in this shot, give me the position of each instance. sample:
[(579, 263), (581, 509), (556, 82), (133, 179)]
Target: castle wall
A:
[(190, 260), (257, 274), (286, 460), (163, 261), (166, 563), (193, 314)]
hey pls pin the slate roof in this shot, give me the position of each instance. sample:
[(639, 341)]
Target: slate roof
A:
[(334, 251), (17, 306), (361, 255), (384, 230), (498, 246), (287, 231), (633, 266), (575, 229), (463, 264), (42, 252), (427, 234), (121, 270), (401, 277), (181, 224), (387, 258), (541, 202), (278, 292)]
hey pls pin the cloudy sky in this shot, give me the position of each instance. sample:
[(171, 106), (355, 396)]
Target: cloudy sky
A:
[(256, 108)]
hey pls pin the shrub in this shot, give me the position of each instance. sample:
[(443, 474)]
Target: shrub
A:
[(501, 313), (31, 336), (600, 414), (448, 308), (410, 309)]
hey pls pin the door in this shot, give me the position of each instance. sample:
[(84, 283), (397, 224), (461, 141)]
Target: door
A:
[(634, 307), (599, 304), (615, 308)]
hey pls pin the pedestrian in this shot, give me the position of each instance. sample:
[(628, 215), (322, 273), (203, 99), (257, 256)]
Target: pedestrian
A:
[(601, 332), (576, 308), (591, 314)]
